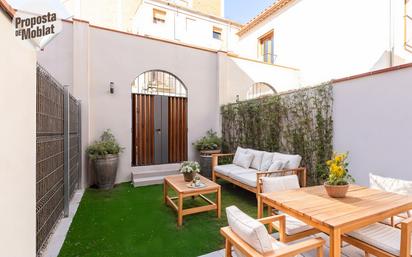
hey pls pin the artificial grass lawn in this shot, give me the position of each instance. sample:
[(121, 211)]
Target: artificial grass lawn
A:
[(130, 221)]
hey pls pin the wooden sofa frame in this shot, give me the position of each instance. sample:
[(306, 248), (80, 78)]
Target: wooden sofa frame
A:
[(301, 172), (405, 244), (231, 239)]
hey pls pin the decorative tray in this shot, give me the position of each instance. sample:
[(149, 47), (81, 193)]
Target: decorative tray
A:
[(201, 185)]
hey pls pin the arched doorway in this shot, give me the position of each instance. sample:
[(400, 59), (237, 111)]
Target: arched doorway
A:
[(260, 89), (159, 119)]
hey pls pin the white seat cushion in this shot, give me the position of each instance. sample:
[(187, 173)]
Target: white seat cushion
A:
[(281, 183), (266, 161), (229, 169), (381, 236), (293, 225), (257, 158), (248, 178), (249, 230), (396, 219), (294, 159)]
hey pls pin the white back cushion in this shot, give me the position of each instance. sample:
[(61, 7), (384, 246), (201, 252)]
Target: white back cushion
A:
[(243, 160), (266, 161), (403, 187), (249, 230), (294, 159), (276, 184), (278, 165), (257, 158), (239, 150)]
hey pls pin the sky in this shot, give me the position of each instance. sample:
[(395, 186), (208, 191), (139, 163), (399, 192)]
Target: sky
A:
[(244, 10)]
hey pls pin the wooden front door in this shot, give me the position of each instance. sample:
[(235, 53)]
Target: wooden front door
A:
[(159, 129)]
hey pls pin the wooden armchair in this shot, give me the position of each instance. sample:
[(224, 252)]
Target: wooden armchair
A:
[(383, 241), (232, 239)]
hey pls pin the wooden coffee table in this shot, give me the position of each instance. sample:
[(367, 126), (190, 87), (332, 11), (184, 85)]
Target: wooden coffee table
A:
[(178, 184)]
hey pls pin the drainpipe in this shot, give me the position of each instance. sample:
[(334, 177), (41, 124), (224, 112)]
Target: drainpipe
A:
[(391, 36)]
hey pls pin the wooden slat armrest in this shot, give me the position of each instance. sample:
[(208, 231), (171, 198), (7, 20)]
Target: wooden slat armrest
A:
[(281, 171), (295, 249), (237, 242), (301, 171), (270, 219)]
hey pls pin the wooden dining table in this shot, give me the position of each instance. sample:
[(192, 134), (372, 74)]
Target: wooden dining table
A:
[(336, 216)]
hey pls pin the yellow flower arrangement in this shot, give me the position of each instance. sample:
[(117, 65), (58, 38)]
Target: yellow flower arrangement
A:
[(338, 171)]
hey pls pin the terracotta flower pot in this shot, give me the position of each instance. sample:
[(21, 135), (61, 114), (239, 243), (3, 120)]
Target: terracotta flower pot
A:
[(336, 191), (189, 176)]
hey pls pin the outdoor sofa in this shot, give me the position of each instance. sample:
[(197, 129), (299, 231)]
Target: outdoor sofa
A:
[(249, 166)]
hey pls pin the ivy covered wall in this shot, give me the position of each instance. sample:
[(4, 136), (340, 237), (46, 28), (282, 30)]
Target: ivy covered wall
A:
[(299, 122)]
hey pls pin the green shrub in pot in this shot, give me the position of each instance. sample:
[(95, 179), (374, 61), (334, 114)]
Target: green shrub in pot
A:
[(210, 143), (104, 154)]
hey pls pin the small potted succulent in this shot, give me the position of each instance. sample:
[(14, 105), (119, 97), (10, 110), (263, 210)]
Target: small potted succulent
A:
[(189, 169), (104, 154), (209, 144), (339, 178)]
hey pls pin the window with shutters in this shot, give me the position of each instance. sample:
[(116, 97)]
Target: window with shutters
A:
[(159, 16)]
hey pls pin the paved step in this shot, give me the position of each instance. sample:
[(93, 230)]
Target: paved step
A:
[(154, 174), (139, 182)]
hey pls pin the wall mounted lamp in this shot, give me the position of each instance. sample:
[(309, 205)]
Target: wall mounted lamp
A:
[(111, 87)]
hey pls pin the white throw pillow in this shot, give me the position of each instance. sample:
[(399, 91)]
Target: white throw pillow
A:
[(244, 160), (294, 159), (403, 187), (239, 150), (249, 230), (276, 184), (278, 165), (266, 161), (257, 158)]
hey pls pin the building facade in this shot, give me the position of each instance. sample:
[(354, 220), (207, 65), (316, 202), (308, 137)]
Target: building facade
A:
[(330, 39), (197, 22)]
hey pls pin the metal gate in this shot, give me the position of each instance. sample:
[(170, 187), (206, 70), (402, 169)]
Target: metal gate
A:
[(58, 162)]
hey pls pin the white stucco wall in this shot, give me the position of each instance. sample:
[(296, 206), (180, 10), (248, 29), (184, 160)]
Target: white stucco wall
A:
[(238, 75), (121, 58), (332, 39), (18, 140), (187, 27), (373, 121)]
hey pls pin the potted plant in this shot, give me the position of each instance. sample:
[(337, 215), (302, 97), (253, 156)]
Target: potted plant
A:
[(189, 169), (339, 178), (209, 144), (104, 154)]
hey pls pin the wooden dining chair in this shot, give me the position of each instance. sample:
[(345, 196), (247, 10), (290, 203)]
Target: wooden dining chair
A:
[(249, 237), (295, 229), (381, 240)]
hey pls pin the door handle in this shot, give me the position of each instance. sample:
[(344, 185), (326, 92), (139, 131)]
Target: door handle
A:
[(158, 131)]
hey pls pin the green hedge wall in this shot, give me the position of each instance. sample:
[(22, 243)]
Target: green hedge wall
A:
[(299, 122)]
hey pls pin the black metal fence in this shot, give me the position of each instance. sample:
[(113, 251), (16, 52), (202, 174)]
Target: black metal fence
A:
[(57, 145)]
